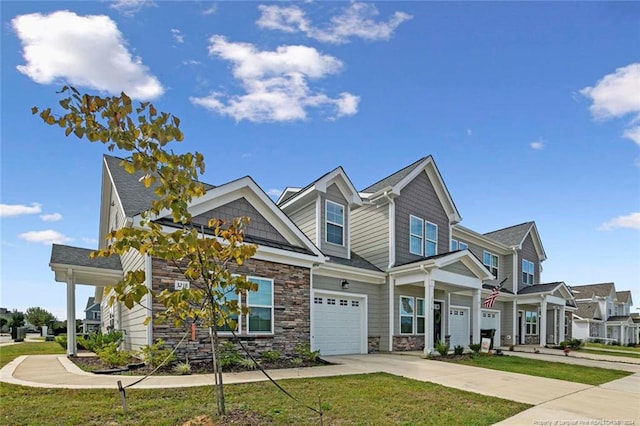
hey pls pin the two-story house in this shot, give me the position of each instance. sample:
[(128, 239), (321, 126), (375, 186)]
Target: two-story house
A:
[(386, 268), (604, 314), (92, 322)]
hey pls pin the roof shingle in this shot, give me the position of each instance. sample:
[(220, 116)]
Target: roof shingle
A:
[(512, 235)]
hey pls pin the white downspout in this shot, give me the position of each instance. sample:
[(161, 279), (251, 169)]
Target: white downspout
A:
[(392, 230)]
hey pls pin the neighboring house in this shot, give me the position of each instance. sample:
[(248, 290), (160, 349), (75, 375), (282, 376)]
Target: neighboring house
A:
[(604, 314), (386, 268), (91, 322)]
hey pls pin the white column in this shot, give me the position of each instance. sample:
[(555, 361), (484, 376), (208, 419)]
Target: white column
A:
[(71, 314), (514, 328), (543, 322), (428, 300), (392, 314), (475, 333), (563, 320), (555, 326)]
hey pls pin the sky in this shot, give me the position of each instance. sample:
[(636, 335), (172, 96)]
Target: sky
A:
[(531, 111)]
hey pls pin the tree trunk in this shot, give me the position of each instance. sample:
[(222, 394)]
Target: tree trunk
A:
[(217, 371)]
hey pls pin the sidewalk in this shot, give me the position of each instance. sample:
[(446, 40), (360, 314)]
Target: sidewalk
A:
[(553, 400)]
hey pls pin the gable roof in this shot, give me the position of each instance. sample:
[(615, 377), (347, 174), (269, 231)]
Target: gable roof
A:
[(624, 296), (394, 183), (336, 176), (541, 288), (587, 291), (441, 260), (514, 236), (356, 261), (588, 310), (76, 256)]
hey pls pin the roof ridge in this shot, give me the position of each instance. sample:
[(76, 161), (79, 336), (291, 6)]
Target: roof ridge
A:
[(412, 165), (509, 227)]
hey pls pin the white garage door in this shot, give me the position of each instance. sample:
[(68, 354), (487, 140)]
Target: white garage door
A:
[(459, 326), (491, 319), (337, 327)]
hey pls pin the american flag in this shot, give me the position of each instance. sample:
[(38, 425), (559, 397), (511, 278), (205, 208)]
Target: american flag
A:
[(489, 301)]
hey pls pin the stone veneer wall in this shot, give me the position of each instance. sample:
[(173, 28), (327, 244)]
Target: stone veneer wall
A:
[(374, 344), (530, 339), (408, 343), (291, 311)]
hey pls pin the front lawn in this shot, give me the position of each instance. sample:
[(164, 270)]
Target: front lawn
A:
[(629, 354), (552, 370), (359, 399), (9, 352), (590, 345)]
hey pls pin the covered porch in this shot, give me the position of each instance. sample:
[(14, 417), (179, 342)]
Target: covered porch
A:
[(73, 266), (542, 313), (447, 291)]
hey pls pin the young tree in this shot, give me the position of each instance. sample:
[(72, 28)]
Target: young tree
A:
[(203, 258), (17, 319), (38, 316)]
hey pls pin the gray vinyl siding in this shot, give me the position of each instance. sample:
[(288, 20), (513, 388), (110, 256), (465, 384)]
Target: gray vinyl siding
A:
[(383, 320), (132, 320), (258, 225), (370, 234), (305, 219), (460, 300), (419, 199), (506, 321), (409, 291), (505, 263), (330, 249), (459, 268), (375, 322), (529, 253)]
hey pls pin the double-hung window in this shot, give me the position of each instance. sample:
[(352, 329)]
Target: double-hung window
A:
[(423, 237), (490, 260), (531, 321), (527, 272), (232, 321), (334, 223), (407, 312), (431, 239), (458, 245), (260, 304), (415, 238), (420, 315)]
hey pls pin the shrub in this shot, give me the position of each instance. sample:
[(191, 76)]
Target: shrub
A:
[(631, 345), (458, 350), (563, 344), (303, 350), (111, 356), (156, 354), (62, 340), (247, 363), (597, 341), (296, 362), (512, 347), (271, 356), (229, 355), (475, 347), (442, 348), (182, 368), (96, 341), (574, 343)]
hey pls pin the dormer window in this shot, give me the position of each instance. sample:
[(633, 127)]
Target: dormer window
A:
[(527, 272), (490, 260), (334, 223)]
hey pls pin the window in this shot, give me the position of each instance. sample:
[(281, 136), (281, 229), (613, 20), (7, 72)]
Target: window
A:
[(527, 272), (531, 321), (343, 302), (566, 326), (317, 300), (230, 297), (260, 302), (490, 260), (431, 239), (415, 231), (96, 315), (420, 315), (335, 223), (458, 245), (406, 315), (355, 303)]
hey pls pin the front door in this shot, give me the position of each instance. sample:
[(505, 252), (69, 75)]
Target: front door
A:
[(437, 323)]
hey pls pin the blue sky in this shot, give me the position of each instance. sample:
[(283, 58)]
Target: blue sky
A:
[(531, 111)]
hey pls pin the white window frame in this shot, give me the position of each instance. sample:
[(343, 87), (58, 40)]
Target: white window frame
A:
[(490, 266), (529, 325), (457, 245), (420, 237), (412, 316), (528, 277), (423, 316), (427, 240), (329, 222), (249, 305)]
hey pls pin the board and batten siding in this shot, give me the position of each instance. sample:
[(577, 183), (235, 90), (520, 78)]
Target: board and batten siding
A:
[(419, 199), (375, 324), (529, 253), (305, 219), (330, 249), (370, 234)]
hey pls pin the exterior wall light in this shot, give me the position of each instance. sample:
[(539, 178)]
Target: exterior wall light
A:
[(345, 284)]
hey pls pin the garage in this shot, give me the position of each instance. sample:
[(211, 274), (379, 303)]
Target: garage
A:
[(459, 326), (491, 319), (338, 324)]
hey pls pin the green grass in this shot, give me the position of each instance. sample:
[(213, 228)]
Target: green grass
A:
[(610, 353), (612, 347), (10, 352), (358, 399), (552, 370)]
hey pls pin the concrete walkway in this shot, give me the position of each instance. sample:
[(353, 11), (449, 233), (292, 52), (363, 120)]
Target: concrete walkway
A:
[(553, 400)]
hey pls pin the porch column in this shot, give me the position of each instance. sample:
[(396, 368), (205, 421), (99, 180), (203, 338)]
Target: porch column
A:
[(475, 333), (543, 322), (392, 313), (429, 285), (514, 329), (555, 326), (71, 314), (563, 320)]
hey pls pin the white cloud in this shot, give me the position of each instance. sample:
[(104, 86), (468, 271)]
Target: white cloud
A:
[(53, 217), (9, 210), (84, 51), (617, 95), (211, 10), (631, 221), (191, 62), (131, 7), (45, 237), (357, 20), (274, 192), (89, 240), (177, 35), (537, 145), (275, 83)]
